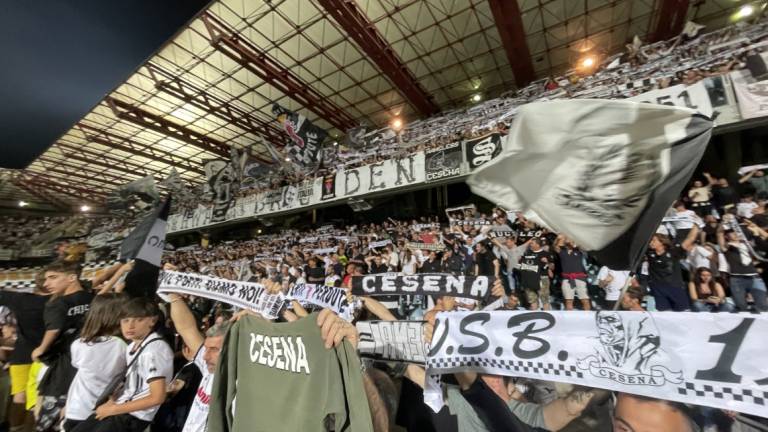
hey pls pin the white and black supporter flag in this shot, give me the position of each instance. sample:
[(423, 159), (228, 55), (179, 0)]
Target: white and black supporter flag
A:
[(604, 173), (222, 178), (306, 138), (145, 245)]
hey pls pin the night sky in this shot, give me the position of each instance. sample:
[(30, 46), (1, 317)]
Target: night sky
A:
[(59, 58)]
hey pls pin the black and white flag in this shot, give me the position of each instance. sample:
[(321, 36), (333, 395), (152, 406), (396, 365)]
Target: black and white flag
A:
[(397, 341), (221, 176), (145, 245), (443, 162), (139, 195), (482, 150), (604, 173), (306, 138)]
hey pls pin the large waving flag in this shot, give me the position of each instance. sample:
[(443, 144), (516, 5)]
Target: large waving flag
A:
[(306, 138), (145, 245), (602, 172)]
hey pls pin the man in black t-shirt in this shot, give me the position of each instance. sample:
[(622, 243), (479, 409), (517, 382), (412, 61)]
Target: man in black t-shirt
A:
[(535, 269), (64, 315), (486, 263), (376, 265), (744, 276), (431, 264), (452, 263), (665, 277)]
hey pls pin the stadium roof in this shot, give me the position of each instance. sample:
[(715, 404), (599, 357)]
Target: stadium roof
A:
[(339, 62)]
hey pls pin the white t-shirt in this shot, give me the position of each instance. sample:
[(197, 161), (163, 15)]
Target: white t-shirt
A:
[(97, 364), (613, 289), (198, 413), (409, 267), (744, 209), (154, 362)]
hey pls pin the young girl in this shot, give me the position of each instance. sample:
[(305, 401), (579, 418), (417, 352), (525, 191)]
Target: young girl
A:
[(98, 355), (149, 362)]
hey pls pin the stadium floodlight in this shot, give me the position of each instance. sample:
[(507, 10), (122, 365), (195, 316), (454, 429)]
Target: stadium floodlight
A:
[(23, 203), (476, 97), (397, 124), (745, 11), (587, 62), (85, 208)]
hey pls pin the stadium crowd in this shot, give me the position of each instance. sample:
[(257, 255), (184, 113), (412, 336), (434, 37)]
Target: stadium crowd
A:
[(82, 355), (69, 341)]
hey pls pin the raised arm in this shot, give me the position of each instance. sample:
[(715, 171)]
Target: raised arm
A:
[(185, 323), (747, 176), (690, 240)]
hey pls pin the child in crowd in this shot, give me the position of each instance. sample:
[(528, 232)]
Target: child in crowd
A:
[(149, 371), (99, 356)]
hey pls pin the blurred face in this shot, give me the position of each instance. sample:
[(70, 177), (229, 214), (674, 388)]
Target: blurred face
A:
[(697, 184), (57, 282), (638, 415), (137, 328), (706, 277), (212, 350)]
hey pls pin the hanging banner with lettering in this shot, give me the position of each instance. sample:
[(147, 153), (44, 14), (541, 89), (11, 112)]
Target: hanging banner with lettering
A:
[(323, 296), (437, 247), (482, 150), (244, 295), (694, 97), (396, 341), (713, 360), (380, 176), (438, 284), (419, 227), (443, 162)]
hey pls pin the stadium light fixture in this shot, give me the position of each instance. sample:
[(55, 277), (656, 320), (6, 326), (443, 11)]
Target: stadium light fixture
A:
[(85, 208), (23, 203), (335, 143), (745, 11), (587, 62), (287, 159), (476, 97), (397, 124)]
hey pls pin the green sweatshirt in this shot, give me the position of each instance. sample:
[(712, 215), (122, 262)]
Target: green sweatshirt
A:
[(285, 380)]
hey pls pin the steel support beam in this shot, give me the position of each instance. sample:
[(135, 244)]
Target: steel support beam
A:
[(79, 154), (258, 62), (509, 22), (128, 112), (671, 20), (112, 140), (65, 188), (67, 170), (42, 194), (357, 26), (195, 96)]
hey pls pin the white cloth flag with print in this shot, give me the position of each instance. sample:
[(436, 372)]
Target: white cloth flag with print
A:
[(602, 172)]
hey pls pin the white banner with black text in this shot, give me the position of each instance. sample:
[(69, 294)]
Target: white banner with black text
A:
[(245, 295), (715, 360), (398, 341)]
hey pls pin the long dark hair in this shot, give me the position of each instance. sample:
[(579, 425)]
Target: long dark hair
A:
[(697, 279), (103, 318)]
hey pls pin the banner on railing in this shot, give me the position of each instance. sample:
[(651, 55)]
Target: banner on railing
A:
[(713, 360)]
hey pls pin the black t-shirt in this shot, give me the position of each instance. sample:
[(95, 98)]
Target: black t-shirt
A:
[(571, 261), (378, 268), (665, 268), (724, 195), (710, 233), (733, 256), (484, 261), (67, 315), (28, 310), (453, 265), (315, 275), (532, 268), (430, 267)]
